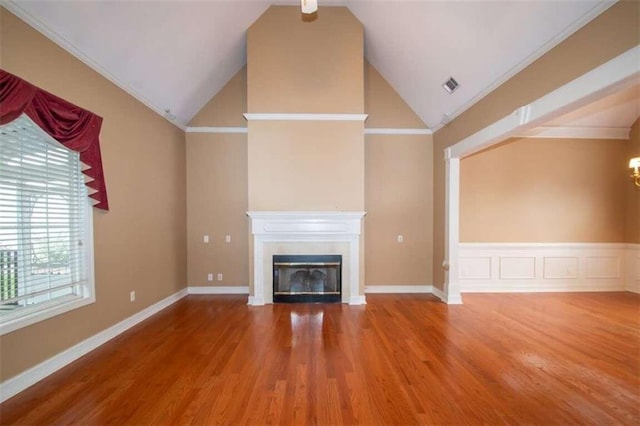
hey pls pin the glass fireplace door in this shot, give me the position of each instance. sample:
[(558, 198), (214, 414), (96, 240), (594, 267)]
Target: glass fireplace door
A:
[(307, 278)]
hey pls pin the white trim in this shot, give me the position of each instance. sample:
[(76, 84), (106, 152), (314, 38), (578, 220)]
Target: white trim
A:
[(586, 18), (439, 294), (537, 288), (544, 246), (398, 289), (617, 74), (33, 375), (303, 231), (216, 130), (43, 312), (32, 314), (632, 269), (399, 131), (568, 132), (304, 117), (218, 290), (42, 28), (357, 300), (367, 131), (452, 221), (614, 75), (542, 267)]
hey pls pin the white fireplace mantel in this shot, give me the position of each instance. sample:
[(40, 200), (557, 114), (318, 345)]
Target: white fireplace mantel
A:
[(296, 233)]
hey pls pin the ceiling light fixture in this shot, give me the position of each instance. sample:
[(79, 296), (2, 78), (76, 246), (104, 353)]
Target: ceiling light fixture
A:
[(634, 164), (309, 6)]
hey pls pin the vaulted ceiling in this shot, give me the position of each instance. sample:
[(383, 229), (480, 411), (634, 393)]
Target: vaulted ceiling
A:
[(176, 55)]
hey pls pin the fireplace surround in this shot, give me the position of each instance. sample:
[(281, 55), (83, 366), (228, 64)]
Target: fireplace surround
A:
[(306, 233)]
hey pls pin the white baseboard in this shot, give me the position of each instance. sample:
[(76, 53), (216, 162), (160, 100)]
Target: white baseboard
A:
[(560, 287), (357, 300), (370, 289), (219, 290), (542, 267), (438, 293), (255, 301), (398, 289), (17, 384)]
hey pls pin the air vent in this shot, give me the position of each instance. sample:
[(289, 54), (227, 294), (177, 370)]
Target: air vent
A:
[(450, 85)]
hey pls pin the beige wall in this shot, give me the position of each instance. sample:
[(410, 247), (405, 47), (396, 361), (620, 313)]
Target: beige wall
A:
[(140, 244), (398, 201), (217, 190), (632, 192), (305, 67), (217, 206), (385, 108), (398, 191), (545, 190), (306, 165), (226, 109), (610, 34), (310, 67)]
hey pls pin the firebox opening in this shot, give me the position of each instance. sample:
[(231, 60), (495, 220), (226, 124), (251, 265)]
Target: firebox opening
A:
[(307, 278)]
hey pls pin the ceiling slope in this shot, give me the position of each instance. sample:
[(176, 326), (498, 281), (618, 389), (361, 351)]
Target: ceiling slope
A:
[(176, 55)]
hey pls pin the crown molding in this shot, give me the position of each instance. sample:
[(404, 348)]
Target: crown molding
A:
[(393, 131), (367, 131), (216, 130), (15, 8), (575, 132), (304, 117)]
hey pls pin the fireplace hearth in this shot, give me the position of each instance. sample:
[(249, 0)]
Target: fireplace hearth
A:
[(307, 278)]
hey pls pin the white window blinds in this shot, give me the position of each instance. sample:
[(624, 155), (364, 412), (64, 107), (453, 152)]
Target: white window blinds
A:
[(43, 247)]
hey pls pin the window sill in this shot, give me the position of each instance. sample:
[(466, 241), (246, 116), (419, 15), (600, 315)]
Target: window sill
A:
[(22, 318)]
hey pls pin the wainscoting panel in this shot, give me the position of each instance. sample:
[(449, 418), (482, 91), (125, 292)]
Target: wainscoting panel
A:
[(517, 268), (557, 268), (605, 267), (478, 268), (539, 267)]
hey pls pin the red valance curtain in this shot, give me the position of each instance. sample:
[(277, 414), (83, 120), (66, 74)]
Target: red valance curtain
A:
[(72, 126)]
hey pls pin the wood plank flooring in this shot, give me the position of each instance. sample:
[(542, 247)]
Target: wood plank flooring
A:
[(401, 359)]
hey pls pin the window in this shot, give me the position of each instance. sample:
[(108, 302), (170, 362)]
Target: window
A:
[(46, 244)]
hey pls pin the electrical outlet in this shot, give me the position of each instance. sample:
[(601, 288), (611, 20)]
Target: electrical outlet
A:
[(401, 238), (205, 239), (227, 239), (132, 296), (219, 277), (210, 277)]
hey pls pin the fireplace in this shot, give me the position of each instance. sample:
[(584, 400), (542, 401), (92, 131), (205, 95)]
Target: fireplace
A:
[(307, 278), (306, 233)]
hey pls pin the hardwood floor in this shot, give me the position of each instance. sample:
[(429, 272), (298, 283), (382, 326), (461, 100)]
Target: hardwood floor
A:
[(401, 359)]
